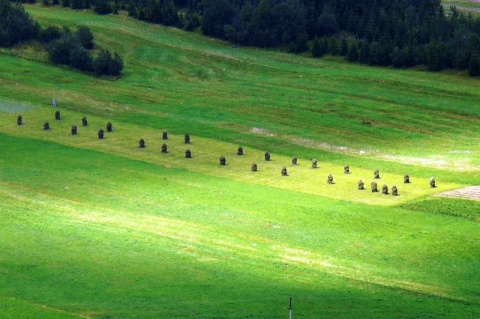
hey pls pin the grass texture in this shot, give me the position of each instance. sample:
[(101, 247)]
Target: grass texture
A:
[(103, 229)]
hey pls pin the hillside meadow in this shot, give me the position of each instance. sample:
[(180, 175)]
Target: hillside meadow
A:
[(96, 228)]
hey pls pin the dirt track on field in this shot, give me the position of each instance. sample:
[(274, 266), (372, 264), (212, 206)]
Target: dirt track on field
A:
[(471, 192)]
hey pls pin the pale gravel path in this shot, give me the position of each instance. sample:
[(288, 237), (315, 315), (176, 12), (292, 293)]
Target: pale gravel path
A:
[(471, 192)]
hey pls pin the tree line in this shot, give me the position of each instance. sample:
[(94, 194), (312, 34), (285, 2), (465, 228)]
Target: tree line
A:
[(63, 45), (398, 33)]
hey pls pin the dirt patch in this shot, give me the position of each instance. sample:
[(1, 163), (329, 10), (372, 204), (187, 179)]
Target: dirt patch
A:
[(471, 192)]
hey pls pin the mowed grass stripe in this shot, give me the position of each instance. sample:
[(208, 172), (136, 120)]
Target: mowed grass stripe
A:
[(209, 244), (108, 257), (206, 152)]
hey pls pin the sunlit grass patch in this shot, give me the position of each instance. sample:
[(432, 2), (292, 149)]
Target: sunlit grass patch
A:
[(124, 141), (103, 228)]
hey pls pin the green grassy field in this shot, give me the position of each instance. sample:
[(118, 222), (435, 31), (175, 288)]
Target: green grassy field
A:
[(102, 229), (471, 6)]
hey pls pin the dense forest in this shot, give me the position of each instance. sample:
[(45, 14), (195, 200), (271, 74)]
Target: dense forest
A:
[(399, 33)]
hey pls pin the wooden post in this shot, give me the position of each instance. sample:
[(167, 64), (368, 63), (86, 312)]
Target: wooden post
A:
[(290, 310)]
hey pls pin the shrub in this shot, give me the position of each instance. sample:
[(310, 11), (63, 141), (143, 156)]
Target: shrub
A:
[(16, 25), (85, 36), (106, 64), (50, 33), (102, 7)]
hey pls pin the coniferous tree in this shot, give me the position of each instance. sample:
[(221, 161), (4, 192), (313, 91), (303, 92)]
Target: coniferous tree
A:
[(16, 24), (474, 68), (76, 4), (85, 36)]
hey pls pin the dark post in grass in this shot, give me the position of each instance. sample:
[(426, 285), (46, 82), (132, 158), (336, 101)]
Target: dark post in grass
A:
[(284, 171), (164, 148), (374, 187), (346, 169), (254, 167), (84, 121), (240, 151), (267, 156), (19, 120), (432, 182), (314, 163), (385, 189), (376, 174), (406, 178), (330, 179), (294, 161), (165, 135), (290, 310), (101, 133), (57, 115), (394, 190), (141, 143), (109, 127), (74, 130), (46, 126), (187, 138), (223, 160), (361, 185), (188, 154)]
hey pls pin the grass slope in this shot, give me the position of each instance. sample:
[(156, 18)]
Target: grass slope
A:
[(132, 239), (101, 229)]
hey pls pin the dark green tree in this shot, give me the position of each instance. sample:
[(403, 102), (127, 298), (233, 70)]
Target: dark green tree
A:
[(106, 64), (76, 4), (474, 68), (317, 49), (353, 54), (50, 33), (16, 24), (85, 36)]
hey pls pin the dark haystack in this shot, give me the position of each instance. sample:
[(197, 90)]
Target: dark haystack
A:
[(330, 179), (361, 185), (385, 189), (394, 191)]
